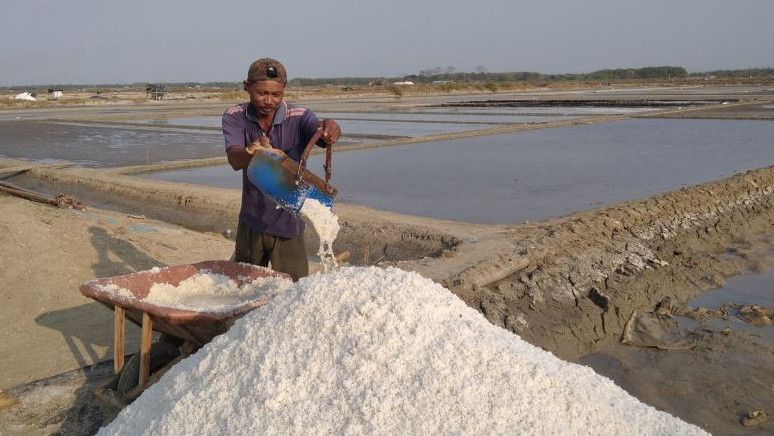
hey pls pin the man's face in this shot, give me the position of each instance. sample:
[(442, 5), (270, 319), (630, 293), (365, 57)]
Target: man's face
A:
[(265, 96)]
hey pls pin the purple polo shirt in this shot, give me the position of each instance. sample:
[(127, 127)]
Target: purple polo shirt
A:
[(290, 132)]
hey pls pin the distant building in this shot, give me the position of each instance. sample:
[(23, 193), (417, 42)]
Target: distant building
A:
[(55, 93), (156, 92), (405, 83)]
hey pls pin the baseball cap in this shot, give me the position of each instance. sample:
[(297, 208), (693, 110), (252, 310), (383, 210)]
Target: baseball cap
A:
[(267, 69)]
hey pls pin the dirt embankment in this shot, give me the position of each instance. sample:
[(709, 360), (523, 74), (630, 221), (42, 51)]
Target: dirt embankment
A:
[(571, 285), (371, 236), (588, 272)]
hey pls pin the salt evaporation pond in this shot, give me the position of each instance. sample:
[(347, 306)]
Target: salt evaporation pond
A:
[(202, 121), (214, 121), (103, 146), (468, 117), (363, 127), (398, 128), (538, 174), (534, 111), (381, 351)]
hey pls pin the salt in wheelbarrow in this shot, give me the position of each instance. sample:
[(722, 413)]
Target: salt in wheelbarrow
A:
[(288, 182), (191, 329)]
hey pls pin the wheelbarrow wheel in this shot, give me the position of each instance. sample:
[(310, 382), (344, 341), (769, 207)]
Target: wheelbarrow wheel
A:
[(161, 354)]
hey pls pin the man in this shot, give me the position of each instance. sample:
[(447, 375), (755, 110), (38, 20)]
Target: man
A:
[(265, 232)]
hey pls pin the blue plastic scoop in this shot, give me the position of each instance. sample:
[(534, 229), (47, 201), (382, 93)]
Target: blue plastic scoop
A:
[(288, 182)]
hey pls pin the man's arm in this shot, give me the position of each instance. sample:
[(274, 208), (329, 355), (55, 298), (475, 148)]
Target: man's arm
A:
[(238, 157), (237, 153)]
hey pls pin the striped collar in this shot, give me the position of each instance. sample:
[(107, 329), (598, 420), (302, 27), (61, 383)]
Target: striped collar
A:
[(279, 116)]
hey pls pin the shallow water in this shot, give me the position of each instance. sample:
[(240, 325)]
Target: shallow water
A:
[(467, 117), (556, 111), (365, 125), (750, 288), (539, 174), (404, 128), (98, 146), (202, 121)]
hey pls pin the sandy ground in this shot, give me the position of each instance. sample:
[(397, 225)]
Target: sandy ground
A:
[(48, 327), (568, 285)]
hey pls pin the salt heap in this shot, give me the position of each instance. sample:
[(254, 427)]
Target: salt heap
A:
[(24, 96), (381, 351), (205, 291)]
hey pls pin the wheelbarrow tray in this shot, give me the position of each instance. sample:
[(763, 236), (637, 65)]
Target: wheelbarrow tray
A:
[(198, 327)]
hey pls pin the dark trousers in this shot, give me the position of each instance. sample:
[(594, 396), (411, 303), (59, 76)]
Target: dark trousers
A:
[(285, 255)]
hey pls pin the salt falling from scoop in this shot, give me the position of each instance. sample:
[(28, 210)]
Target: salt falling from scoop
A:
[(326, 224)]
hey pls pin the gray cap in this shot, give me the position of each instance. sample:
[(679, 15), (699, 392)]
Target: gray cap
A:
[(267, 69)]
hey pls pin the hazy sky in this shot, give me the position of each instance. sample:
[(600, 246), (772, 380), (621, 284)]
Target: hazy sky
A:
[(83, 41)]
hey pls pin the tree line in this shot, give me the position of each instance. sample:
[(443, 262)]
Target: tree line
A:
[(447, 74)]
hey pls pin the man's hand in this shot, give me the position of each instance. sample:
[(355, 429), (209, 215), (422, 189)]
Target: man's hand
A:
[(264, 145), (331, 131)]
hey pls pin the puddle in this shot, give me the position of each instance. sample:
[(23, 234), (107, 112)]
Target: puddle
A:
[(535, 175), (745, 289)]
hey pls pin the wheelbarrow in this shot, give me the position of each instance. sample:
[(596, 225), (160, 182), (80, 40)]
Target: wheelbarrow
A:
[(290, 183), (188, 329)]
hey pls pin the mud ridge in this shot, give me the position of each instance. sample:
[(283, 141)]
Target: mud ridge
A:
[(588, 272), (371, 236)]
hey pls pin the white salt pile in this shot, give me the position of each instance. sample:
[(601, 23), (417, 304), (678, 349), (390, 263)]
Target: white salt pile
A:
[(24, 96), (326, 224), (208, 291), (381, 351), (214, 292)]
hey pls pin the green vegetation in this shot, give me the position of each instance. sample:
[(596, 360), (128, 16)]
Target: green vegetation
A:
[(665, 72), (448, 79)]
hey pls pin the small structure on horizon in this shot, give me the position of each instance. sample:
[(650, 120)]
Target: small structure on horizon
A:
[(55, 93), (404, 83), (156, 92)]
